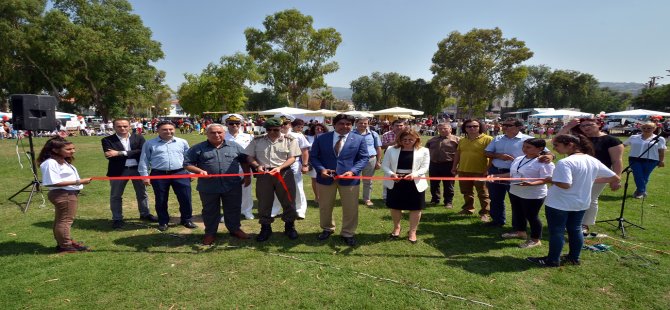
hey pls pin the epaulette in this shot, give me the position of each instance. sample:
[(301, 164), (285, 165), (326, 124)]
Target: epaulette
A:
[(260, 136)]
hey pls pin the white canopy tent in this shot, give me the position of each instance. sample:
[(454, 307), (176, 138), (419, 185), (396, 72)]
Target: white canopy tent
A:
[(359, 114), (3, 114), (562, 114), (323, 112), (285, 110), (398, 111), (63, 115), (636, 113)]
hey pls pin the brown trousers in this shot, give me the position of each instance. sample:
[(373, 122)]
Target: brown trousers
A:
[(467, 189), (65, 203), (349, 200)]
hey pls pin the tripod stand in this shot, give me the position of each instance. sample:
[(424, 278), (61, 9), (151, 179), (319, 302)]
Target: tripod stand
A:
[(621, 220), (34, 185)]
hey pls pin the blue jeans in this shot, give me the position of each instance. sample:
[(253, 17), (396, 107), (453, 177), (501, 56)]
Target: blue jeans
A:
[(181, 188), (642, 169), (558, 221), (497, 193)]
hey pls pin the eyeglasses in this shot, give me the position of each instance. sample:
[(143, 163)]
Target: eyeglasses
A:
[(650, 128), (233, 124), (274, 129), (472, 126)]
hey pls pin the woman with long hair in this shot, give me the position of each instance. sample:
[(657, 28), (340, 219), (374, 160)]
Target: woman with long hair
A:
[(63, 181), (643, 164), (407, 161), (607, 149), (570, 197)]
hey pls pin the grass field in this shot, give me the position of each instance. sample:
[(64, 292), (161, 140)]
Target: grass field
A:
[(457, 263)]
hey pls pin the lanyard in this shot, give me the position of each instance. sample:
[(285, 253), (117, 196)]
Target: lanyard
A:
[(521, 163)]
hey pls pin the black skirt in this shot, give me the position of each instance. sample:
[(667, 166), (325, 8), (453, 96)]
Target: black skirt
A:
[(405, 196)]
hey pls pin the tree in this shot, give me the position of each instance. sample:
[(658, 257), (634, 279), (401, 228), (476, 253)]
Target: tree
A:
[(379, 91), (479, 66), (219, 87), (655, 98), (531, 92), (291, 55)]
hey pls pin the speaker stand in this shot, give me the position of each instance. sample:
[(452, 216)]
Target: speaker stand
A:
[(34, 185)]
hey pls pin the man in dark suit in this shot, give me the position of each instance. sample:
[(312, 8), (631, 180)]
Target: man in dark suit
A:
[(339, 153), (123, 150)]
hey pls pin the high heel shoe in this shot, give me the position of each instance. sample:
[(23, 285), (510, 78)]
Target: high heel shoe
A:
[(393, 237)]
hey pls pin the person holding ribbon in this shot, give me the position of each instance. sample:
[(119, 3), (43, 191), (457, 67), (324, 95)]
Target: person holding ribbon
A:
[(655, 157), (528, 196), (570, 197), (219, 156), (63, 181), (337, 154), (274, 153), (164, 155), (407, 162)]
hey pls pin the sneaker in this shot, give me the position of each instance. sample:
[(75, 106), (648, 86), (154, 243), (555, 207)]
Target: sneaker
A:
[(542, 261), (530, 244), (639, 196), (448, 205), (513, 235), (567, 260)]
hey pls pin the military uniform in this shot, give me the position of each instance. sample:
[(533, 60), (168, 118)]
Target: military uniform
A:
[(270, 155)]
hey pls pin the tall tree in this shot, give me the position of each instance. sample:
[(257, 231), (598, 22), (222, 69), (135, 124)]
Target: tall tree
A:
[(219, 87), (293, 56), (380, 91), (655, 98), (479, 66), (531, 92)]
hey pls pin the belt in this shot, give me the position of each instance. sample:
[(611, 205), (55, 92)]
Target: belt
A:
[(166, 171), (70, 192)]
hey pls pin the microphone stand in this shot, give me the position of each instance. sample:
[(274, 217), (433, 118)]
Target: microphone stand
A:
[(621, 220)]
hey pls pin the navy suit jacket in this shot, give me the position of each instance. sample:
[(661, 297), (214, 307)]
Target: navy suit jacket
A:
[(353, 157)]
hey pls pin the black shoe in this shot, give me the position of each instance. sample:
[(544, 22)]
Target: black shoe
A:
[(350, 241), (149, 218), (162, 227), (117, 224), (266, 232), (542, 261), (324, 235), (188, 224), (435, 201), (393, 237), (567, 260), (290, 232)]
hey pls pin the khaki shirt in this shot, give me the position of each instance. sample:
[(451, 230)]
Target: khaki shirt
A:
[(273, 154), (442, 149)]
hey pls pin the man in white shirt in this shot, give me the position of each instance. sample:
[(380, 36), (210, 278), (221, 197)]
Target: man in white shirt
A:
[(234, 133)]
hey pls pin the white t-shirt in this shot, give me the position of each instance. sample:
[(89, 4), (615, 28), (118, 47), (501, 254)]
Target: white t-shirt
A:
[(580, 171), (54, 173), (638, 145), (523, 167)]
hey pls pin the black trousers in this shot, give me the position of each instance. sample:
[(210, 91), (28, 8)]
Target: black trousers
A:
[(441, 170), (526, 210), (212, 203)]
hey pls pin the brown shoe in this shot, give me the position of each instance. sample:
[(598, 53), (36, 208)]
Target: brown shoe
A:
[(209, 240), (466, 212), (239, 234)]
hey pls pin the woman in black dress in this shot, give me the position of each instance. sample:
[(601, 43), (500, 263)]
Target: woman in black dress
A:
[(407, 162)]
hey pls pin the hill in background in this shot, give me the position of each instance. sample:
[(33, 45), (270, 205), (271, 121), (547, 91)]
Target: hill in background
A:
[(624, 87)]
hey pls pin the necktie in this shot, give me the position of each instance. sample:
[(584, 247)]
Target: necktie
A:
[(338, 145)]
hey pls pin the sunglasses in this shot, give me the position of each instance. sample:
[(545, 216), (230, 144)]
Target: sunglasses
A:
[(233, 124)]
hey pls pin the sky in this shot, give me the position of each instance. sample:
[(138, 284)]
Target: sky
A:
[(615, 40)]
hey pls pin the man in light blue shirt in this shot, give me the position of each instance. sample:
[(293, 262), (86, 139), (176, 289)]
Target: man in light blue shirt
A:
[(164, 155), (503, 150), (374, 144)]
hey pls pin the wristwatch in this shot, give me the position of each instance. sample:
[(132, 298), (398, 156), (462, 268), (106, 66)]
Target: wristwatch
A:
[(305, 165)]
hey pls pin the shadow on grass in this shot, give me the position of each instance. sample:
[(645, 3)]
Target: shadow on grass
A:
[(487, 265), (12, 248), (101, 225), (614, 198)]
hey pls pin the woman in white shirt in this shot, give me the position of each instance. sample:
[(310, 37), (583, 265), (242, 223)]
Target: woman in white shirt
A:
[(570, 197), (64, 184), (408, 161), (527, 197), (644, 165)]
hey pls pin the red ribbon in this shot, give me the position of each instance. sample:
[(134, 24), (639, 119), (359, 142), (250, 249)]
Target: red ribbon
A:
[(437, 178), (196, 175)]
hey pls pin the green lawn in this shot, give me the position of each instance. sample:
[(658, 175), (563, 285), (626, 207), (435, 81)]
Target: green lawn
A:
[(457, 263)]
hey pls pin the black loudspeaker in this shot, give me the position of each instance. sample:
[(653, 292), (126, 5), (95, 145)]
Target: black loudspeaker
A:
[(33, 112)]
